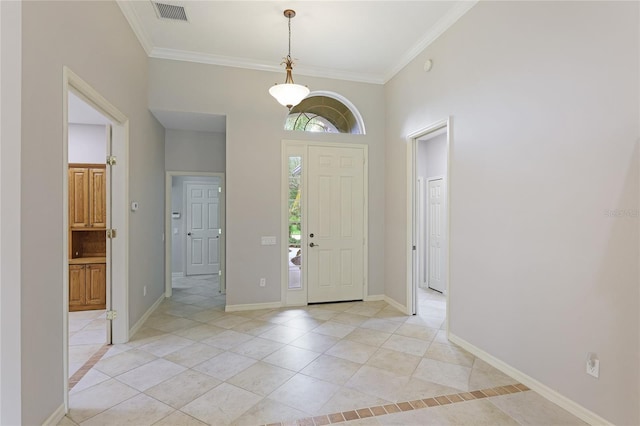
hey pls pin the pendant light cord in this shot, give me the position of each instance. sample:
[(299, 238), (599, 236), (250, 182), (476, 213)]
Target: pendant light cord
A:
[(289, 19)]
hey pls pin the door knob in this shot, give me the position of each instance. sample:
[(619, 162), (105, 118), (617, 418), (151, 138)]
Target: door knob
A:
[(311, 235), (189, 233), (313, 245)]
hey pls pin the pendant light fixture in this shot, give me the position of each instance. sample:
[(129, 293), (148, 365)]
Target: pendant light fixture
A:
[(289, 94)]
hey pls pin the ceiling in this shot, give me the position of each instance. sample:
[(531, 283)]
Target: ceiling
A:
[(367, 41), (364, 41)]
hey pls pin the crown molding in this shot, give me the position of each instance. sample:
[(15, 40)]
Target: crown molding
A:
[(132, 17), (227, 61), (432, 35)]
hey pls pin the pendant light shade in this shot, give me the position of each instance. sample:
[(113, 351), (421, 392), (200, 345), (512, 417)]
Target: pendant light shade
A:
[(289, 94)]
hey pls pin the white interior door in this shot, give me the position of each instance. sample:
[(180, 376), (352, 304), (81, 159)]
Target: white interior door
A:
[(203, 228), (422, 233), (335, 232), (436, 235)]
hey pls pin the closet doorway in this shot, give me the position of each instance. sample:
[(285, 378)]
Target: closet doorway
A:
[(428, 230)]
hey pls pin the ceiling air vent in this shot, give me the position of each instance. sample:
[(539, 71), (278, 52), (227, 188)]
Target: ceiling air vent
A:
[(170, 11)]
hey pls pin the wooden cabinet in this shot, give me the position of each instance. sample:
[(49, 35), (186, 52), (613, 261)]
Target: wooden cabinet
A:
[(87, 196), (87, 237), (87, 286)]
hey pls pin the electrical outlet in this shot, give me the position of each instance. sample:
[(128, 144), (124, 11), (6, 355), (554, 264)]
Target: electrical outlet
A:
[(593, 365), (263, 282), (144, 290)]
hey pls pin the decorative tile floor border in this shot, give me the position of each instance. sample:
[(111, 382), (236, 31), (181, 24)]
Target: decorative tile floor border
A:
[(78, 375), (381, 410)]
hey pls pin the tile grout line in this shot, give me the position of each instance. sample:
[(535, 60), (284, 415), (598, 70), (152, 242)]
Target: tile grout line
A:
[(398, 407), (93, 360)]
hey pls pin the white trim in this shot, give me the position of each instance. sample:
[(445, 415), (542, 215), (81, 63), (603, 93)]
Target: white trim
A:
[(411, 266), (252, 306), (544, 390), (169, 235), (55, 417), (442, 25), (345, 101), (395, 304), (374, 298), (228, 61), (135, 23), (138, 325)]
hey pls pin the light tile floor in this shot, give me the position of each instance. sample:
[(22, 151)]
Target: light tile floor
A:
[(87, 334), (194, 364)]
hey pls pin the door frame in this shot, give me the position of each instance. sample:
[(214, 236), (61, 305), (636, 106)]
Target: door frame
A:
[(117, 214), (303, 146), (412, 236), (169, 175)]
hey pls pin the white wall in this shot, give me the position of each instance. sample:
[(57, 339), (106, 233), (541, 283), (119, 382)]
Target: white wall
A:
[(87, 143), (191, 151), (253, 161), (544, 100), (95, 41), (432, 157), (10, 208)]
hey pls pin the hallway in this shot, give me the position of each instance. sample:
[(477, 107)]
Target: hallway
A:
[(194, 364)]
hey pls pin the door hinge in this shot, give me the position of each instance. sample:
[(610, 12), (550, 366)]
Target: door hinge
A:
[(111, 160), (220, 272), (111, 233), (111, 315), (220, 189), (219, 231)]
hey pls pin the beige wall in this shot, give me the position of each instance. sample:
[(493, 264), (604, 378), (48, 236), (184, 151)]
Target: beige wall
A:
[(545, 119), (253, 154), (94, 40), (191, 151), (10, 135)]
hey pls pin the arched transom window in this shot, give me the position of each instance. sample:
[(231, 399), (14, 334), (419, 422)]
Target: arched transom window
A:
[(325, 114)]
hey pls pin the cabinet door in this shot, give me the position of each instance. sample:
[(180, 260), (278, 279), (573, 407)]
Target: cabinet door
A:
[(96, 284), (77, 286), (97, 198), (78, 197)]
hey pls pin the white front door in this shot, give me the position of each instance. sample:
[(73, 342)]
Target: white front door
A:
[(335, 231), (436, 235), (203, 228)]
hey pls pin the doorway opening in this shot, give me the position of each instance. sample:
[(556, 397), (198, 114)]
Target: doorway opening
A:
[(428, 185), (95, 277), (195, 229), (324, 222)]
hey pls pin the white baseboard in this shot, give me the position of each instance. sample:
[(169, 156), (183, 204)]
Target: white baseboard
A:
[(146, 315), (374, 298), (252, 306), (544, 390), (395, 304), (55, 417)]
